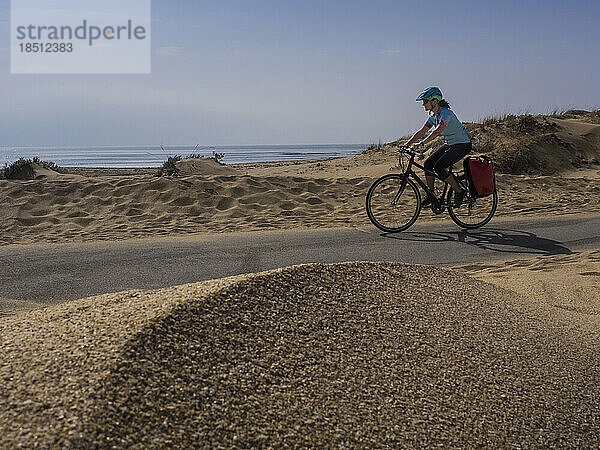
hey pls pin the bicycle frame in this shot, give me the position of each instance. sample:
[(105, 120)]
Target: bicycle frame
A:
[(411, 173)]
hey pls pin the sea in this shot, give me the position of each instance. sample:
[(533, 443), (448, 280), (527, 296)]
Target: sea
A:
[(154, 156)]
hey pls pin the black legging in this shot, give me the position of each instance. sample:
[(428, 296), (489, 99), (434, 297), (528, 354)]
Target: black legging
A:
[(440, 160)]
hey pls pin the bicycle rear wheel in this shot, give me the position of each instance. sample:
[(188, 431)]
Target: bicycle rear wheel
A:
[(474, 212), (389, 209)]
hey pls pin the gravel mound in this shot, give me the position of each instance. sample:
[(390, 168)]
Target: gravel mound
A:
[(354, 354)]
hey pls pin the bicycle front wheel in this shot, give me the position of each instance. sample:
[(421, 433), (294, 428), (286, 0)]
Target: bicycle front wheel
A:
[(391, 209), (474, 212)]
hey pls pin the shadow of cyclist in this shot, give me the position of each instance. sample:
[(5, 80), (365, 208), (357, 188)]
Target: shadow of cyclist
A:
[(504, 241)]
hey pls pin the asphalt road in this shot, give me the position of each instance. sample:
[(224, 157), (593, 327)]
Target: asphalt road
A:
[(53, 273)]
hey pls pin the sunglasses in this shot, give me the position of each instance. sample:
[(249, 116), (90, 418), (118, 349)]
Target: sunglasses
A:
[(426, 101)]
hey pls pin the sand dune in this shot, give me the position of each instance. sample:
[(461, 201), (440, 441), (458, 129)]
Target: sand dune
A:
[(540, 144), (204, 166), (119, 207), (355, 354)]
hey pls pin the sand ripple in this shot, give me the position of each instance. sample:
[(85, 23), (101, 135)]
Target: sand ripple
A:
[(52, 211), (120, 207)]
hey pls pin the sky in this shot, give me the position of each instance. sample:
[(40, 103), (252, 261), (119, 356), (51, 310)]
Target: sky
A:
[(304, 72)]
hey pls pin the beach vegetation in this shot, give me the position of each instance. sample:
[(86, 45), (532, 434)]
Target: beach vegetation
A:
[(169, 167), (218, 157), (374, 147), (496, 119), (559, 112), (25, 168)]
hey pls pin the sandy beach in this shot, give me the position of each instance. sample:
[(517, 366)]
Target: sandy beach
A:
[(500, 353)]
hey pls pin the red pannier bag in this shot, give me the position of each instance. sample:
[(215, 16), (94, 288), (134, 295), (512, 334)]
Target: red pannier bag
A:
[(480, 173)]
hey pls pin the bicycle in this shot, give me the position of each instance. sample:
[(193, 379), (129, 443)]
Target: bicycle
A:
[(393, 201)]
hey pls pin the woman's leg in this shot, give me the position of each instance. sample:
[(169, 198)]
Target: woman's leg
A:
[(452, 182), (430, 164), (452, 154)]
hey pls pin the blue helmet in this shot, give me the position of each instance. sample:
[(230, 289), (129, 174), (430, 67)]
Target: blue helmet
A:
[(430, 93)]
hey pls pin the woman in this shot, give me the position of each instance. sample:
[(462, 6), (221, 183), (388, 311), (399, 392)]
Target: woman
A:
[(457, 146)]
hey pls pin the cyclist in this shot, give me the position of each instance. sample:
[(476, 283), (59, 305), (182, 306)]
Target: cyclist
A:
[(457, 142)]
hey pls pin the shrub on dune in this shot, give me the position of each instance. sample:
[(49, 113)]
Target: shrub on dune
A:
[(169, 167), (24, 169)]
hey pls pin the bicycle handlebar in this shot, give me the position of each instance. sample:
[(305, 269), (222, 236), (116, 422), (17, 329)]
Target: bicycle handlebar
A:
[(411, 151)]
